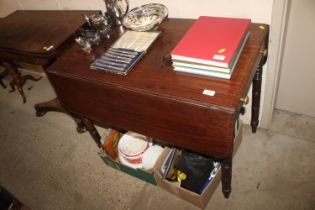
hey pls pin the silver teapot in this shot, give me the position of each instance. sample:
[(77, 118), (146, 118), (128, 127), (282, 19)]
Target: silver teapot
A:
[(117, 9)]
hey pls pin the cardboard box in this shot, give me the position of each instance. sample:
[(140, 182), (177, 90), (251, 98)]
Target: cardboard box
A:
[(155, 177), (198, 200), (144, 175)]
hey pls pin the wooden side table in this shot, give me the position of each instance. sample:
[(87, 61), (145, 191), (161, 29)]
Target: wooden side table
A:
[(36, 37), (159, 102)]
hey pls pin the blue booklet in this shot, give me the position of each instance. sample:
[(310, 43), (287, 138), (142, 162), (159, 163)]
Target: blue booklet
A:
[(117, 60), (125, 52)]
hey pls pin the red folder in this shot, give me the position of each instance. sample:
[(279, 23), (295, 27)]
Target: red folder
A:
[(212, 41)]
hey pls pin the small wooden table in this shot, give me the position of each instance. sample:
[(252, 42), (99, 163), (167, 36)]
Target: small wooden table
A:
[(37, 37), (34, 37), (156, 101)]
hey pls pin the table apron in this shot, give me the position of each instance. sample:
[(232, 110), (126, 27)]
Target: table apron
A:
[(201, 129)]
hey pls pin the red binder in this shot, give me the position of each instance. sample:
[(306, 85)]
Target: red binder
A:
[(212, 41)]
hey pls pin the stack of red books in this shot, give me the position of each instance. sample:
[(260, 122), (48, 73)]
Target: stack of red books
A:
[(212, 46)]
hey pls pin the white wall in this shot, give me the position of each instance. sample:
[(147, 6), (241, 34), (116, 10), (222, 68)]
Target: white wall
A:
[(296, 85), (257, 10)]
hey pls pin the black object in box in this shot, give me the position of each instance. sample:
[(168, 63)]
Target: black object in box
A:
[(199, 200)]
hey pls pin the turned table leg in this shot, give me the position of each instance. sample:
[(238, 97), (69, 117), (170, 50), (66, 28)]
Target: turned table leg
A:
[(226, 166), (92, 130), (256, 98), (257, 80), (17, 80), (54, 105)]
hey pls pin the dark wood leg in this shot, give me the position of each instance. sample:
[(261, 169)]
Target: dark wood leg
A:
[(17, 80), (226, 165), (257, 86), (54, 105), (24, 78), (92, 130), (256, 98), (80, 125), (2, 76), (2, 84)]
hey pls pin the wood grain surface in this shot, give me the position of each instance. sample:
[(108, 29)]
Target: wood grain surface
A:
[(155, 100)]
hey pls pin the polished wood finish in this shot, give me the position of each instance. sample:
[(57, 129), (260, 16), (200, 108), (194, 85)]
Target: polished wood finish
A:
[(158, 102), (162, 90), (25, 34)]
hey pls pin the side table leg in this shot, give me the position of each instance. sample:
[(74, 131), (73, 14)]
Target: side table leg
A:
[(24, 78), (92, 130), (257, 86), (226, 165), (80, 125), (256, 98), (17, 80), (2, 84), (54, 105), (2, 76)]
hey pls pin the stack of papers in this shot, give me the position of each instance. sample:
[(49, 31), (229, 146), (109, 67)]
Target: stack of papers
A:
[(134, 40)]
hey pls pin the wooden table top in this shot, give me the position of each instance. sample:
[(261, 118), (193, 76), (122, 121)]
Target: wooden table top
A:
[(28, 32), (152, 77)]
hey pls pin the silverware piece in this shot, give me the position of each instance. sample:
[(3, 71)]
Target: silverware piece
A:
[(107, 67), (111, 63), (119, 54), (128, 52), (115, 60)]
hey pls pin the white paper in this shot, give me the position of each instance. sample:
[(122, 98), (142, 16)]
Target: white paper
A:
[(134, 40), (208, 92)]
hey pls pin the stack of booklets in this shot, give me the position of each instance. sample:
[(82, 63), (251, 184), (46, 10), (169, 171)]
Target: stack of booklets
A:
[(212, 46), (125, 52)]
